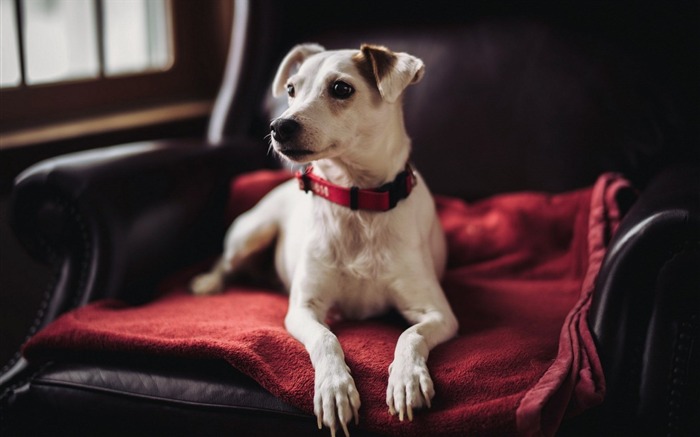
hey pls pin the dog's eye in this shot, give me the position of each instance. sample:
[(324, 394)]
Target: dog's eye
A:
[(290, 90), (341, 90)]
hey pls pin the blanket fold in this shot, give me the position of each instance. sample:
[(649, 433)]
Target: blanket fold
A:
[(520, 278)]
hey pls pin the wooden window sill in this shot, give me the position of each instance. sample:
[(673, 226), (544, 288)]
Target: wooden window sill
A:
[(105, 124)]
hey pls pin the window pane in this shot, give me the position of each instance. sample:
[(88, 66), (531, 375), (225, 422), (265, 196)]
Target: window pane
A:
[(136, 36), (60, 40), (9, 53)]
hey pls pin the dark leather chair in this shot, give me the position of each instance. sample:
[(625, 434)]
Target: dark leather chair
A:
[(516, 97)]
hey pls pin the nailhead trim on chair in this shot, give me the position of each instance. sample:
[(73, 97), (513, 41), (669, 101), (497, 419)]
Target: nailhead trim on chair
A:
[(679, 376), (55, 274), (678, 387)]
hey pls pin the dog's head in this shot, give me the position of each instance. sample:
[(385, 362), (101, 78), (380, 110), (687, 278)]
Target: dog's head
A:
[(340, 101)]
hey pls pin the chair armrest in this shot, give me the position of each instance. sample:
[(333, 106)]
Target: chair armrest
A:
[(113, 221), (647, 302)]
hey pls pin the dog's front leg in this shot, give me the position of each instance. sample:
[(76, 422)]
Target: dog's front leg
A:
[(336, 400), (410, 385)]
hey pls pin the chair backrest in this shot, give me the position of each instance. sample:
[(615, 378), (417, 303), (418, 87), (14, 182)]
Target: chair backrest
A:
[(513, 98)]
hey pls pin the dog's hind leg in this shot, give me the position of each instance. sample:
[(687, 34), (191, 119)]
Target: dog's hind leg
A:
[(249, 234), (211, 282)]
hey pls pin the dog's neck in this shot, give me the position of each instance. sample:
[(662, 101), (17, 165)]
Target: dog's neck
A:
[(377, 164)]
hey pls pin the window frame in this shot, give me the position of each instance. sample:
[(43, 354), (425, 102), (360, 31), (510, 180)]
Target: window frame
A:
[(193, 75)]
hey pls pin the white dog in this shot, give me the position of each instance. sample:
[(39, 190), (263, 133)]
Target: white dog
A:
[(357, 232)]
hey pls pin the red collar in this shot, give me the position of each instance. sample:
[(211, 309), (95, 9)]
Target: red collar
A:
[(382, 198)]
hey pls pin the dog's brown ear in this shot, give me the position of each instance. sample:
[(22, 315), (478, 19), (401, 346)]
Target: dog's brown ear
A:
[(291, 61), (392, 72)]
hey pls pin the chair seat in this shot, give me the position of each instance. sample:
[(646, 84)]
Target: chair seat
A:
[(536, 300), (142, 395)]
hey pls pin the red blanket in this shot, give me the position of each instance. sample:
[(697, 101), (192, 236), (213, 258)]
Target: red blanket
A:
[(520, 276)]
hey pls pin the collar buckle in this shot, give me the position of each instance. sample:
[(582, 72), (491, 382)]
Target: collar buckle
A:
[(401, 187)]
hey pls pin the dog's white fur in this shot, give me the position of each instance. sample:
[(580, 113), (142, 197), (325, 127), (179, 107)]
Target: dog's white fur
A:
[(357, 262)]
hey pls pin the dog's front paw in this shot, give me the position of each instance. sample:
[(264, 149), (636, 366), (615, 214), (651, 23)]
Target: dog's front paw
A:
[(336, 400), (410, 386), (207, 283)]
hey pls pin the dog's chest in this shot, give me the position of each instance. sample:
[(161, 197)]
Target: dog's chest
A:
[(358, 252), (360, 245), (359, 299)]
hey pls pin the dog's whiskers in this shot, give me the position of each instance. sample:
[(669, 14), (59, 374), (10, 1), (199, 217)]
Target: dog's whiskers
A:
[(270, 147)]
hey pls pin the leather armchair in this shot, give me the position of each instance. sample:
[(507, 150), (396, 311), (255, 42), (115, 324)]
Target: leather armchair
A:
[(514, 99)]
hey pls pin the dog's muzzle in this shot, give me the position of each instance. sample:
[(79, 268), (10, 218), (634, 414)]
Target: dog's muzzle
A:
[(284, 129)]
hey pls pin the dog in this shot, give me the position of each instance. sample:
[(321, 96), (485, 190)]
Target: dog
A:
[(357, 231)]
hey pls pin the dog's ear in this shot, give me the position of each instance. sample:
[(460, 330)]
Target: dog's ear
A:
[(293, 59), (392, 72)]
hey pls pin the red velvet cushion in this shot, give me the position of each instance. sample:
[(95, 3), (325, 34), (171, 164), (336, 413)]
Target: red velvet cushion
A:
[(520, 278)]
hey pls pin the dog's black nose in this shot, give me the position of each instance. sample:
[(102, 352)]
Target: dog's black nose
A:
[(284, 129)]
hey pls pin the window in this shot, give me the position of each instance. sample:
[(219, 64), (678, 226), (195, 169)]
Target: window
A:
[(136, 36), (70, 61), (46, 41), (9, 51)]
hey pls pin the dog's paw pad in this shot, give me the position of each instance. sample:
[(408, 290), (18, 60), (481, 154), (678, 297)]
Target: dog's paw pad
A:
[(207, 283), (410, 387)]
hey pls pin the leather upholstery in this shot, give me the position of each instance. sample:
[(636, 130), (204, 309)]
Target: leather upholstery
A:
[(647, 306), (159, 389), (513, 98), (126, 200)]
